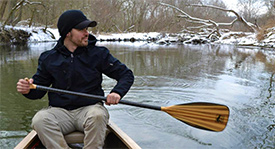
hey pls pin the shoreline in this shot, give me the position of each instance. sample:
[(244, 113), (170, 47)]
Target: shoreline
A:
[(38, 35)]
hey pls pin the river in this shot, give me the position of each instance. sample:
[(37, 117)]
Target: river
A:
[(242, 78)]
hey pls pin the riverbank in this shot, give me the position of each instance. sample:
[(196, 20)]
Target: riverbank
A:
[(38, 34)]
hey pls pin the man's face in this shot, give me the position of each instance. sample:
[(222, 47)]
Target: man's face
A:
[(78, 37)]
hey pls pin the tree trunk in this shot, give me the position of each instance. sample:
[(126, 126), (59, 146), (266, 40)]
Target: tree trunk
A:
[(3, 8), (12, 12)]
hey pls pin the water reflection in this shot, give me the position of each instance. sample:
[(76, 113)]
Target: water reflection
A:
[(239, 77)]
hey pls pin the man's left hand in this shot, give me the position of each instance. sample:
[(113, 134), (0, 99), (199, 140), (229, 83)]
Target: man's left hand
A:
[(112, 98)]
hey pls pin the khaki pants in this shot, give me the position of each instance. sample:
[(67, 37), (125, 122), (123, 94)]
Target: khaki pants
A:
[(53, 123)]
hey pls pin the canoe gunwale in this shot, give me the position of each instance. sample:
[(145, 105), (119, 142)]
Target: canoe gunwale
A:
[(27, 140)]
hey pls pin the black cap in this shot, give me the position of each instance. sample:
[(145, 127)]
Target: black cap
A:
[(73, 19)]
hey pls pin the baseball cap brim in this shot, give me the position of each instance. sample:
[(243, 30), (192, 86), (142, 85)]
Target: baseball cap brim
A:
[(85, 24)]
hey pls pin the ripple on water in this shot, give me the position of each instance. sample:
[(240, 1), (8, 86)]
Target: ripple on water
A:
[(9, 139)]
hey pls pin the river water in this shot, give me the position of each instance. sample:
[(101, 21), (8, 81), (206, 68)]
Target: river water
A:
[(243, 78)]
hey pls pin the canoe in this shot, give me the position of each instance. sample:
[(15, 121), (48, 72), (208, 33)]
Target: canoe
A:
[(115, 138)]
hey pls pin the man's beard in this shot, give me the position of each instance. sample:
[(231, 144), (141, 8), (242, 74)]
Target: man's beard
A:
[(79, 43)]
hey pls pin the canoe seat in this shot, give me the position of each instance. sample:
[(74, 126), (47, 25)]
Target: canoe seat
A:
[(77, 137), (74, 137)]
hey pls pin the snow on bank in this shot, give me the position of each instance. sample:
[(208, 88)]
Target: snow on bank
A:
[(248, 39), (236, 38), (37, 33)]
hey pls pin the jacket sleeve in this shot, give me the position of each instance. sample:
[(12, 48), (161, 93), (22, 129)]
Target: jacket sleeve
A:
[(41, 77), (113, 68)]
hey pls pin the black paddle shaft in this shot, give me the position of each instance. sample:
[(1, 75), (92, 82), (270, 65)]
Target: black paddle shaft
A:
[(49, 89)]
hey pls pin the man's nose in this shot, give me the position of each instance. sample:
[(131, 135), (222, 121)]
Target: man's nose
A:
[(85, 31)]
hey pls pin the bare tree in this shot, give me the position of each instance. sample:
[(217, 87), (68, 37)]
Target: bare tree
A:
[(19, 5), (270, 5), (135, 15), (208, 23), (250, 9), (3, 8)]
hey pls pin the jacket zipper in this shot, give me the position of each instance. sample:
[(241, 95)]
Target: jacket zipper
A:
[(72, 58), (71, 72)]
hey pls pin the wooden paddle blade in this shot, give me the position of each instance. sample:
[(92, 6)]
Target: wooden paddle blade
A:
[(208, 116)]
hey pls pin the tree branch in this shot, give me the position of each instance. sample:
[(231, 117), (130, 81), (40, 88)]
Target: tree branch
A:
[(17, 6), (212, 23), (186, 16)]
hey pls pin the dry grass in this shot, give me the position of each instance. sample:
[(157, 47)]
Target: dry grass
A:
[(262, 33)]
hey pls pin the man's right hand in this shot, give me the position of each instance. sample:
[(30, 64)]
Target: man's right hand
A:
[(23, 86)]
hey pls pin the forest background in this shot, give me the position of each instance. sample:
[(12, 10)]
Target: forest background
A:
[(119, 16)]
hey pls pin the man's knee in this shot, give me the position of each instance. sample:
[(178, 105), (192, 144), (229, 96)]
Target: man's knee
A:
[(39, 119), (97, 116)]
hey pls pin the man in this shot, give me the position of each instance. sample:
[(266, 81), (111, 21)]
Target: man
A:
[(75, 64)]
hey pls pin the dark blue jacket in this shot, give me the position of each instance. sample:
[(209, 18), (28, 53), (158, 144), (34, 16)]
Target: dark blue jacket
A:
[(80, 71)]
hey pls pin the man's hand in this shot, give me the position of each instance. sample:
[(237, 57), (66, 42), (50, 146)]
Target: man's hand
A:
[(112, 98), (23, 86)]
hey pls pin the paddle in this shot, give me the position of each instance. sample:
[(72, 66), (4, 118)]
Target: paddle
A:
[(207, 116)]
